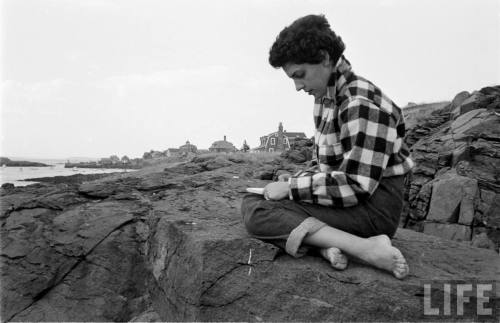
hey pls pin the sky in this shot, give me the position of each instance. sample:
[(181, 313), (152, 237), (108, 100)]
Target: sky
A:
[(96, 78)]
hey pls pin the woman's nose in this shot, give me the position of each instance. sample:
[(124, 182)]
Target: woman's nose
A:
[(298, 85)]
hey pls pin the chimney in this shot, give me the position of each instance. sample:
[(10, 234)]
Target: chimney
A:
[(224, 137)]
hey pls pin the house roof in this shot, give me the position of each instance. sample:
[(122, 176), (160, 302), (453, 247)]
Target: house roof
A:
[(223, 144), (288, 134), (187, 146), (294, 134)]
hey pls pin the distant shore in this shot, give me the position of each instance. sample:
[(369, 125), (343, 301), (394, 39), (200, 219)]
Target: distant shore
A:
[(97, 165), (70, 179), (20, 163)]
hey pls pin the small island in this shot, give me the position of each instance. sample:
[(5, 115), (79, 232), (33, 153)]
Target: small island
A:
[(20, 163)]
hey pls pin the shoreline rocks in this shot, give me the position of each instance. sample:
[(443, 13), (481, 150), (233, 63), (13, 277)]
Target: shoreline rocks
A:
[(166, 243)]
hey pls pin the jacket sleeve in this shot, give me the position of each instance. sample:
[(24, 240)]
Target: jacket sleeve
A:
[(367, 136)]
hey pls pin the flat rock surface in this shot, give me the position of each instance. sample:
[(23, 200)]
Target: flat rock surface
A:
[(167, 243)]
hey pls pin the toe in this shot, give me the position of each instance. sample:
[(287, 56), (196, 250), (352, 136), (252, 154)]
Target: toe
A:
[(401, 271)]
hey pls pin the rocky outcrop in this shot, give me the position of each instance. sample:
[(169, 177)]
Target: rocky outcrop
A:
[(67, 257), (455, 186), (230, 278), (167, 244), (301, 150)]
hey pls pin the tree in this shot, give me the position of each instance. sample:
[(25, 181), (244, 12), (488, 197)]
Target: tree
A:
[(114, 159), (147, 155), (125, 159)]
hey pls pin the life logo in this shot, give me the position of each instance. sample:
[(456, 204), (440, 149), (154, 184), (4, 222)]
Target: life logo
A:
[(474, 300)]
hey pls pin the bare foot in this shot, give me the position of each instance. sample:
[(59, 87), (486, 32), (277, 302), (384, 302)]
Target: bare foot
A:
[(383, 255), (336, 258)]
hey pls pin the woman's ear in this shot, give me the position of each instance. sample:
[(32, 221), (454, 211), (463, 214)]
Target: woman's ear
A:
[(326, 58)]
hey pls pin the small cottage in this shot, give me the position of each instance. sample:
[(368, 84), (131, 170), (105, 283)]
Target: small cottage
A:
[(172, 152), (188, 148), (222, 146), (280, 140)]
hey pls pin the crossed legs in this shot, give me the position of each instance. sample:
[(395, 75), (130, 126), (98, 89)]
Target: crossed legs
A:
[(361, 232), (376, 251)]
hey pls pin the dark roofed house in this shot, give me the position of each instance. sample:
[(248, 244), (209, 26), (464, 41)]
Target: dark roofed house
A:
[(280, 140), (222, 146), (188, 148)]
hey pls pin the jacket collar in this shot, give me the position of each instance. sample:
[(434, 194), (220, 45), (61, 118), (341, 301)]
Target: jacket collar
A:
[(337, 80)]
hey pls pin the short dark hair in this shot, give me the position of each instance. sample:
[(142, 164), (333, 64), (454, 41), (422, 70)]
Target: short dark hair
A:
[(303, 42)]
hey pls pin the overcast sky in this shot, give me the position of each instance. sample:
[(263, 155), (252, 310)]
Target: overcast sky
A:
[(100, 77)]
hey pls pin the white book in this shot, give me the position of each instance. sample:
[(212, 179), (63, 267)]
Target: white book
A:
[(256, 190)]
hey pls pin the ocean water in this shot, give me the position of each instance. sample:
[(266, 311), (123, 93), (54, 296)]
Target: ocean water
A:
[(15, 175)]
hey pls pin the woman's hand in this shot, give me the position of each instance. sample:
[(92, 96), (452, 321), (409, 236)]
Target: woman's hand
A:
[(276, 191), (284, 177)]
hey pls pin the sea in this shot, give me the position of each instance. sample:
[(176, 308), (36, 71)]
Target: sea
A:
[(16, 175)]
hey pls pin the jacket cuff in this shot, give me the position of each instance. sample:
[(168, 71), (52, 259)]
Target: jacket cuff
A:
[(301, 188)]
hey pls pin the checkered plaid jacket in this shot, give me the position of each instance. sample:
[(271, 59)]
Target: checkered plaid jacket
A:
[(358, 140)]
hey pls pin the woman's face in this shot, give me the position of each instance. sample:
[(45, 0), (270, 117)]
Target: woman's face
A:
[(312, 78)]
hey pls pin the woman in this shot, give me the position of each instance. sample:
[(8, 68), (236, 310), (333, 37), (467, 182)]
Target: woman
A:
[(350, 202)]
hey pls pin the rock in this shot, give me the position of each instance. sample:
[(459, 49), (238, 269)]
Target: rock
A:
[(296, 157), (453, 200), (465, 144), (266, 173), (55, 267), (216, 163), (300, 151), (148, 316), (226, 278), (455, 232), (71, 179), (8, 186), (492, 216), (420, 205), (459, 98), (481, 240), (158, 245), (491, 90), (98, 288), (467, 105), (468, 120), (462, 152)]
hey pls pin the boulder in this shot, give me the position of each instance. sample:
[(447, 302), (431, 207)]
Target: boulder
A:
[(467, 105), (208, 272), (65, 257), (453, 200), (456, 232), (459, 98), (468, 120), (482, 240)]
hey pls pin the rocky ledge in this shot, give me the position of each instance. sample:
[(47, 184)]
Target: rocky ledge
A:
[(166, 243), (454, 192)]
